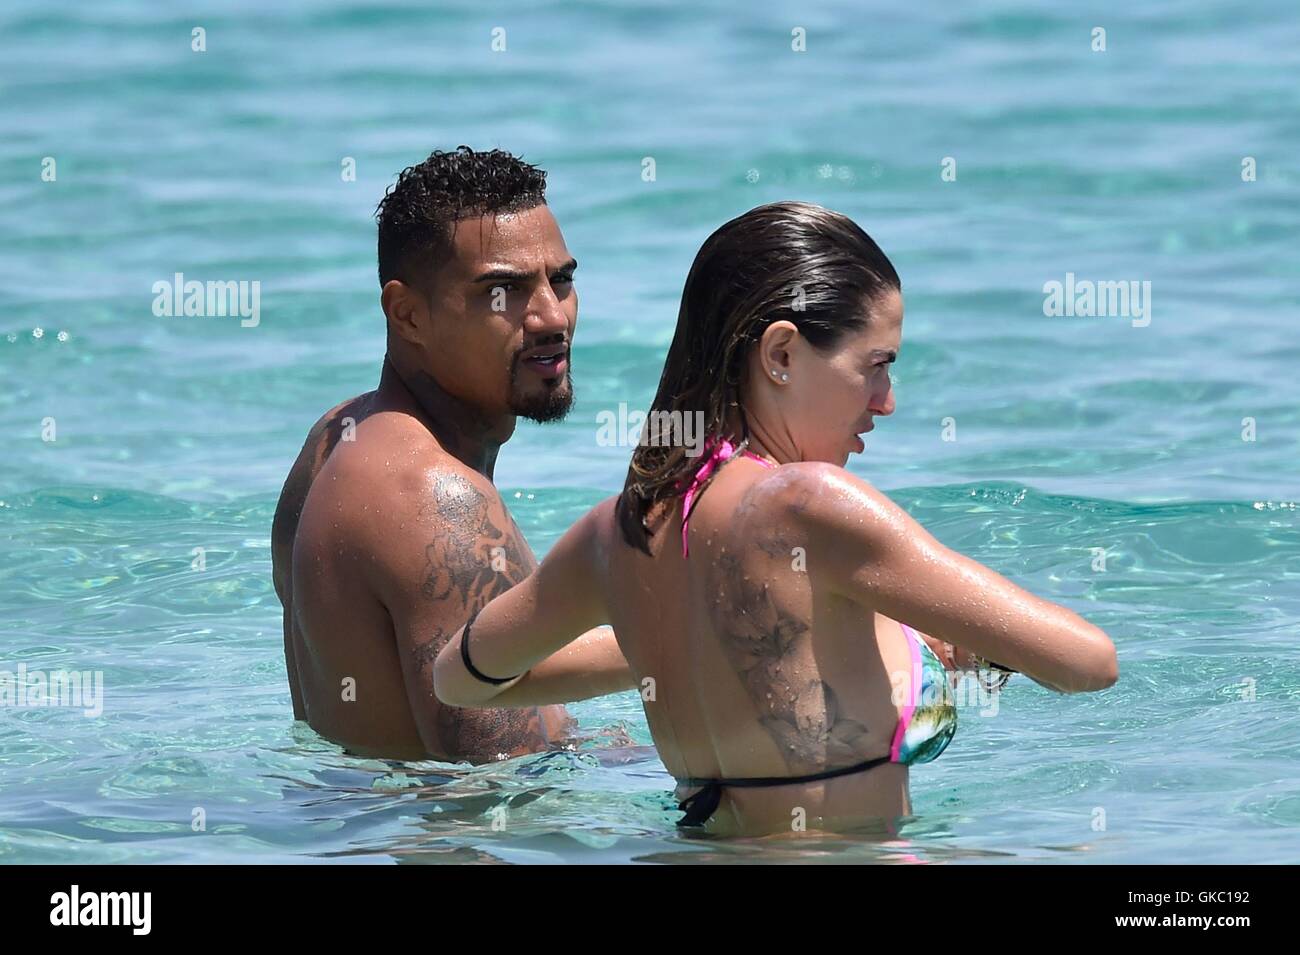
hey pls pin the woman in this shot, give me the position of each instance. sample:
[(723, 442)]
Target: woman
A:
[(755, 588)]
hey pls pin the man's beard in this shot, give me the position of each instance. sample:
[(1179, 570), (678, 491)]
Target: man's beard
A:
[(550, 404)]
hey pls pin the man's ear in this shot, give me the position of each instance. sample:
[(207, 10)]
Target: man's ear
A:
[(406, 309)]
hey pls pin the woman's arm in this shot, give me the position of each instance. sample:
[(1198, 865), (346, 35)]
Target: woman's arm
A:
[(875, 554), (550, 609), (591, 665)]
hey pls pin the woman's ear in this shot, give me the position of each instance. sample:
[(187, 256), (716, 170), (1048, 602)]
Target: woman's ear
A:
[(774, 349)]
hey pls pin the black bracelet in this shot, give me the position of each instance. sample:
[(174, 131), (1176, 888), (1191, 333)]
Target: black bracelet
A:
[(464, 655)]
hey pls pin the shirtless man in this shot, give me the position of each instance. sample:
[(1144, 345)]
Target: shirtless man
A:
[(389, 532)]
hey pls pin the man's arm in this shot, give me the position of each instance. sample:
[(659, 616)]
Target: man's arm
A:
[(444, 550), (283, 528), (443, 546), (531, 623)]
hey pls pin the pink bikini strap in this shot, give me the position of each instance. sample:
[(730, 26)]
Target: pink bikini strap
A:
[(721, 452)]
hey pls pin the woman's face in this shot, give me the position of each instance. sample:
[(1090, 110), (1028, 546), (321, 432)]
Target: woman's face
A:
[(832, 397)]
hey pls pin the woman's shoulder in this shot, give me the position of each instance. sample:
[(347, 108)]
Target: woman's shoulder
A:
[(820, 497), (602, 527), (812, 487)]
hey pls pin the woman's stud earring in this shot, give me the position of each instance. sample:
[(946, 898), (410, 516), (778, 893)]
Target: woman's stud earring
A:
[(773, 372), (784, 376)]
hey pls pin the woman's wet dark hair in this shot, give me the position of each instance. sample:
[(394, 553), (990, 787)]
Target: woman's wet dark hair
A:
[(791, 261)]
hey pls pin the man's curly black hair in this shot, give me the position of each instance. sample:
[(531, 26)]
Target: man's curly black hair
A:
[(417, 212)]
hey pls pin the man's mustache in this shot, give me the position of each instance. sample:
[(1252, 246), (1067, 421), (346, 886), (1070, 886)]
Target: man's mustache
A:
[(557, 340)]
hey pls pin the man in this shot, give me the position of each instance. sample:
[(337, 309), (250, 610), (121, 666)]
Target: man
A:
[(389, 532)]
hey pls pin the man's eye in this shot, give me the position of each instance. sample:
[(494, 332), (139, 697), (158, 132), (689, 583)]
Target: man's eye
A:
[(503, 287), (563, 280)]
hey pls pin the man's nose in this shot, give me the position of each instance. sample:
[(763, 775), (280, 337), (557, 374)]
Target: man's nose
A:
[(545, 314)]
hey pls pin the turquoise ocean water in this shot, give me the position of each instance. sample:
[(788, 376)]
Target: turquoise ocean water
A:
[(1072, 433)]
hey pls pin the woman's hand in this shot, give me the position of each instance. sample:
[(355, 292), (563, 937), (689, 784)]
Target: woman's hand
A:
[(952, 657)]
